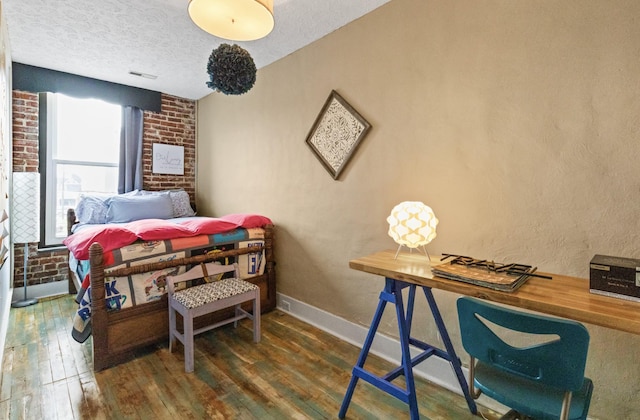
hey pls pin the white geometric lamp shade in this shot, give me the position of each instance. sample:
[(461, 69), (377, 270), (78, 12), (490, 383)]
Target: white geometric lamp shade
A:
[(412, 224), (25, 220)]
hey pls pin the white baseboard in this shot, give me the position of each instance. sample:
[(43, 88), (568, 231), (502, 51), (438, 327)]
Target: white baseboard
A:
[(5, 307), (40, 291), (434, 369)]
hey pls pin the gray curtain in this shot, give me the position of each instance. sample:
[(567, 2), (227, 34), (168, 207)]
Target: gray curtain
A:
[(130, 170)]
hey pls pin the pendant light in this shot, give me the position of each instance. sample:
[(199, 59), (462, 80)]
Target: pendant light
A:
[(236, 20)]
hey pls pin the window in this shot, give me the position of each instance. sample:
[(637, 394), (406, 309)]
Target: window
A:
[(79, 153)]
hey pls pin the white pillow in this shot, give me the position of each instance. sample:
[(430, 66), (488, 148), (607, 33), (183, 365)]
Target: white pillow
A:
[(179, 199), (181, 204), (92, 209), (127, 208)]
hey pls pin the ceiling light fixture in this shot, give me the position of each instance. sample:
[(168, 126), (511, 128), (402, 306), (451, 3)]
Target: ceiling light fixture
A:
[(236, 20)]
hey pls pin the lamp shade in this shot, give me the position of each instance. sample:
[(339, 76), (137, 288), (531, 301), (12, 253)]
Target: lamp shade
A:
[(237, 20), (25, 220), (412, 224)]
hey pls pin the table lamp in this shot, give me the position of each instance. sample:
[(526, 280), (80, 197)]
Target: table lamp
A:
[(412, 224), (25, 220)]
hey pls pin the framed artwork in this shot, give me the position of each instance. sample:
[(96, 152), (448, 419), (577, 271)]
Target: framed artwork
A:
[(336, 133), (168, 159)]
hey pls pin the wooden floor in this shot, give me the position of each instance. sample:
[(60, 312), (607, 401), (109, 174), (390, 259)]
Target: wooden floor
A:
[(295, 372)]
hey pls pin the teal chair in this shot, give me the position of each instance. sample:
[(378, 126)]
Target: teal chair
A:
[(544, 380)]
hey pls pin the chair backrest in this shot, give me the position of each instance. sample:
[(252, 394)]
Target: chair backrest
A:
[(559, 362), (197, 272)]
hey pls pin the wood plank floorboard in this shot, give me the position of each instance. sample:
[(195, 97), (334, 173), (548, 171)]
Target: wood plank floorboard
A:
[(296, 372)]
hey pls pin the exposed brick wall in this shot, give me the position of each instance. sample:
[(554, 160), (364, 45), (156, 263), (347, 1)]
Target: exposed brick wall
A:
[(174, 125), (25, 159), (43, 266), (25, 131)]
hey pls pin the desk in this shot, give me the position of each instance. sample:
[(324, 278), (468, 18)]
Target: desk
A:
[(563, 296)]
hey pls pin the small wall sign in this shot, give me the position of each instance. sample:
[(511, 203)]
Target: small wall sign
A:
[(168, 159)]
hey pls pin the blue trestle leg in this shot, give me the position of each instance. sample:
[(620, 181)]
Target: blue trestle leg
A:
[(392, 293)]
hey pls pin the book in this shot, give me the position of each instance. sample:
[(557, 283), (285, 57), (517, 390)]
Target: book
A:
[(482, 275)]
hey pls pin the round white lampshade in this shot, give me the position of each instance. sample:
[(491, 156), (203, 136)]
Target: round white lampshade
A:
[(412, 224), (236, 20)]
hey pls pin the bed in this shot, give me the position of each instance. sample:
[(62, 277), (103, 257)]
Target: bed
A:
[(117, 269)]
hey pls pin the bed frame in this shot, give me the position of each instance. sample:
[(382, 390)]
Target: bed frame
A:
[(120, 335)]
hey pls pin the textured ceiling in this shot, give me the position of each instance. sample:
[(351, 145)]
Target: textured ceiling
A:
[(106, 39)]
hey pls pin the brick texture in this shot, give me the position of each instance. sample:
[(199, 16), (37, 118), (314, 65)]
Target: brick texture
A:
[(174, 125)]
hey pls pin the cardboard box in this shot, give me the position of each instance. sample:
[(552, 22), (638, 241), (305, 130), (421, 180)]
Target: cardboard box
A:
[(615, 276)]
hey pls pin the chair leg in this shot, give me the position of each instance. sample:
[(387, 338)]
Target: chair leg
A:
[(256, 317), (514, 415), (237, 312), (188, 342), (172, 328)]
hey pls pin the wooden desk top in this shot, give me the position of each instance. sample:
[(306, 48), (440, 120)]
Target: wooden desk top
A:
[(563, 296)]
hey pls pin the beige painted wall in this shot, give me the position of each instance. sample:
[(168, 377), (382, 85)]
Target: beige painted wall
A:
[(516, 121)]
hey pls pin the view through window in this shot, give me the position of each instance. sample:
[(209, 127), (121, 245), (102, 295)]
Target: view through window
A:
[(83, 138)]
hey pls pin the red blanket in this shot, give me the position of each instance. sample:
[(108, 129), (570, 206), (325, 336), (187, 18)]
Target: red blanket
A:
[(113, 236)]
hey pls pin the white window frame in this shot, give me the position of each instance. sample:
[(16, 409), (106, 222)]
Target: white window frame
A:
[(49, 195)]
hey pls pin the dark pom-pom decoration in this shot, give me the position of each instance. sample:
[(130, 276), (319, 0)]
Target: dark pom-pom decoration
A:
[(231, 70)]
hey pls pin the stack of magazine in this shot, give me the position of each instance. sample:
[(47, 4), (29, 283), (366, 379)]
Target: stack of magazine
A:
[(503, 277)]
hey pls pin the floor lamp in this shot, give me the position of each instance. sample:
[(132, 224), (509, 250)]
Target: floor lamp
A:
[(25, 220)]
